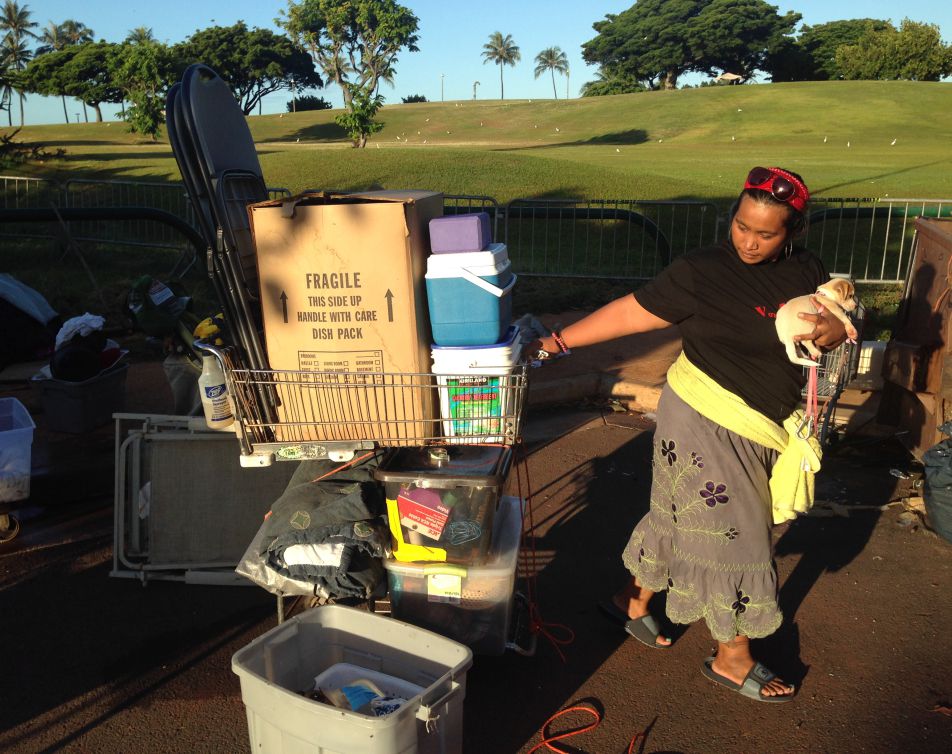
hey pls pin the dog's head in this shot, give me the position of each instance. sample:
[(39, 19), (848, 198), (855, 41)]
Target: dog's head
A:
[(841, 291)]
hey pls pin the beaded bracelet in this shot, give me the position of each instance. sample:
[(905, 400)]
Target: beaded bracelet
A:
[(563, 349)]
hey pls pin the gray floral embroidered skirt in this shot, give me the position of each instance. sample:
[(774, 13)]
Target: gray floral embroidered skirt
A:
[(706, 537)]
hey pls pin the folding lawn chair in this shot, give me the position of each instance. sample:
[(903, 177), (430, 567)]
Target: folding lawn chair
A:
[(216, 156)]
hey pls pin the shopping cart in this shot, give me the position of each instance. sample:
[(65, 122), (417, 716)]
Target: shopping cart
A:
[(332, 415), (836, 370)]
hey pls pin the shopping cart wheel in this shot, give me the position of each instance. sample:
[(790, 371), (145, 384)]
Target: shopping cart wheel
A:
[(9, 528)]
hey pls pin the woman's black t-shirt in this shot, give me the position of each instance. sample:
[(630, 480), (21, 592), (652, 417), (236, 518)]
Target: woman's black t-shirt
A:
[(725, 310)]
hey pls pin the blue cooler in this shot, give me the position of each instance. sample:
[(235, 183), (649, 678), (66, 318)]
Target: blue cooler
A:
[(470, 296)]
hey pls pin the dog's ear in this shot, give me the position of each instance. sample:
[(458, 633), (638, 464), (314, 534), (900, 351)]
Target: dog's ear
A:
[(841, 289)]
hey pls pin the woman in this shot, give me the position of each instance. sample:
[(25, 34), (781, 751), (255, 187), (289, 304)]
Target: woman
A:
[(728, 461)]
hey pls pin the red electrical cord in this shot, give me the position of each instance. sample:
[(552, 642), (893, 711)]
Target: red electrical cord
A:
[(528, 554), (351, 462), (548, 740)]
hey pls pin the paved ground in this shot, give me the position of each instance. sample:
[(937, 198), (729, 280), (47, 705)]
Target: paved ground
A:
[(95, 664)]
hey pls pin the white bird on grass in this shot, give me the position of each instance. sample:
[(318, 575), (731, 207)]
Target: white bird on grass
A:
[(824, 140), (892, 143), (732, 138), (617, 149), (847, 145), (557, 130)]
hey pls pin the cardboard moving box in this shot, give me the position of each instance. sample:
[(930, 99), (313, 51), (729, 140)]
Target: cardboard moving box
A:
[(345, 312)]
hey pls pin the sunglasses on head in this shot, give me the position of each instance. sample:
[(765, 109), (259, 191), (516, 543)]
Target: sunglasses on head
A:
[(780, 187)]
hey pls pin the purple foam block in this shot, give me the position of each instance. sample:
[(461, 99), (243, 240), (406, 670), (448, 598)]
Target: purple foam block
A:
[(460, 233)]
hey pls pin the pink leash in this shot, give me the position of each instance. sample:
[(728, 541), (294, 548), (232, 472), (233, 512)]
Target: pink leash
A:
[(812, 413)]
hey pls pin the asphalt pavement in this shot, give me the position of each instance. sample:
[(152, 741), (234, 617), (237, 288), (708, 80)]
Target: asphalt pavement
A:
[(96, 664)]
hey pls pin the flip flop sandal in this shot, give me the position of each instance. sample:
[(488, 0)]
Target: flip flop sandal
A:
[(644, 629), (755, 680)]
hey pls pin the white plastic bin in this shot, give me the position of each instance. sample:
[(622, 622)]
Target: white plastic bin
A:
[(16, 448), (473, 388), (471, 604), (279, 666)]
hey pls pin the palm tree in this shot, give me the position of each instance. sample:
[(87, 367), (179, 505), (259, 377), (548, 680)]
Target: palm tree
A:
[(502, 51), (551, 59), (6, 89), (139, 35), (15, 21), (77, 32)]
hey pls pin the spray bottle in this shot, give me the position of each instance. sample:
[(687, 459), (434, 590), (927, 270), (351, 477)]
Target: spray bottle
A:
[(214, 392)]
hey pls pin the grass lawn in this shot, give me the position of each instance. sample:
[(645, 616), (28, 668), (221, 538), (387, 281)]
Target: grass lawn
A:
[(694, 144), (654, 145)]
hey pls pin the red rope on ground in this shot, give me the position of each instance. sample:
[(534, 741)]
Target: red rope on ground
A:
[(528, 554), (547, 740)]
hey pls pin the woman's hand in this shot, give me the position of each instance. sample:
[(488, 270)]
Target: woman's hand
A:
[(547, 344), (828, 331)]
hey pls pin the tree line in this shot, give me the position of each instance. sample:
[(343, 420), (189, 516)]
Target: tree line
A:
[(650, 46), (354, 44)]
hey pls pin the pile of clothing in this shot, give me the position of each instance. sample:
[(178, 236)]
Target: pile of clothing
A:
[(326, 536)]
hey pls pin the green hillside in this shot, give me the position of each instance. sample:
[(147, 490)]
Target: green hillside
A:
[(694, 143)]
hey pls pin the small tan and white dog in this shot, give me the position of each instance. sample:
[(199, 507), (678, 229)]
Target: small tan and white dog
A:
[(837, 296)]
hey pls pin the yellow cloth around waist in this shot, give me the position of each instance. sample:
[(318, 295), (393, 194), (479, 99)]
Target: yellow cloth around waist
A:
[(791, 479)]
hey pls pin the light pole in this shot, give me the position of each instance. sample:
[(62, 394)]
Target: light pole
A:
[(442, 76), (475, 84)]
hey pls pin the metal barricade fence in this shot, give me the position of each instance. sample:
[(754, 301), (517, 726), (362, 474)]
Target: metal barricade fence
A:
[(604, 238), (26, 193), (21, 193), (870, 240), (171, 197), (458, 204)]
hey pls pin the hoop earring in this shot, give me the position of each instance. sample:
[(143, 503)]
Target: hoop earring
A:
[(788, 250)]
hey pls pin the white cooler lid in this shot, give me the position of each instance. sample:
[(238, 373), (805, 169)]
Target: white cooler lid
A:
[(492, 261)]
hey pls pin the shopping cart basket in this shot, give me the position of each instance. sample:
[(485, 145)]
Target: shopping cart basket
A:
[(836, 370), (335, 414)]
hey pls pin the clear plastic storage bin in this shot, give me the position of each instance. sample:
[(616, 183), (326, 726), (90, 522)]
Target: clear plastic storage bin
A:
[(441, 500), (471, 604), (279, 667), (16, 450)]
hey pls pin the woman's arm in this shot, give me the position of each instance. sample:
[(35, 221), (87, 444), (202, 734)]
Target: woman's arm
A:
[(623, 316)]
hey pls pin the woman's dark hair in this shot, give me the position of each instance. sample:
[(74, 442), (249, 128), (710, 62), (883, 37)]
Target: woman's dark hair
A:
[(796, 221)]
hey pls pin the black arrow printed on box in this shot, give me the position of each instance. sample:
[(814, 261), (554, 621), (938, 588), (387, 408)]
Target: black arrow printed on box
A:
[(284, 305), (389, 296)]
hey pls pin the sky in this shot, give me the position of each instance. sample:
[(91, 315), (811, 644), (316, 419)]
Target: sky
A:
[(451, 39)]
